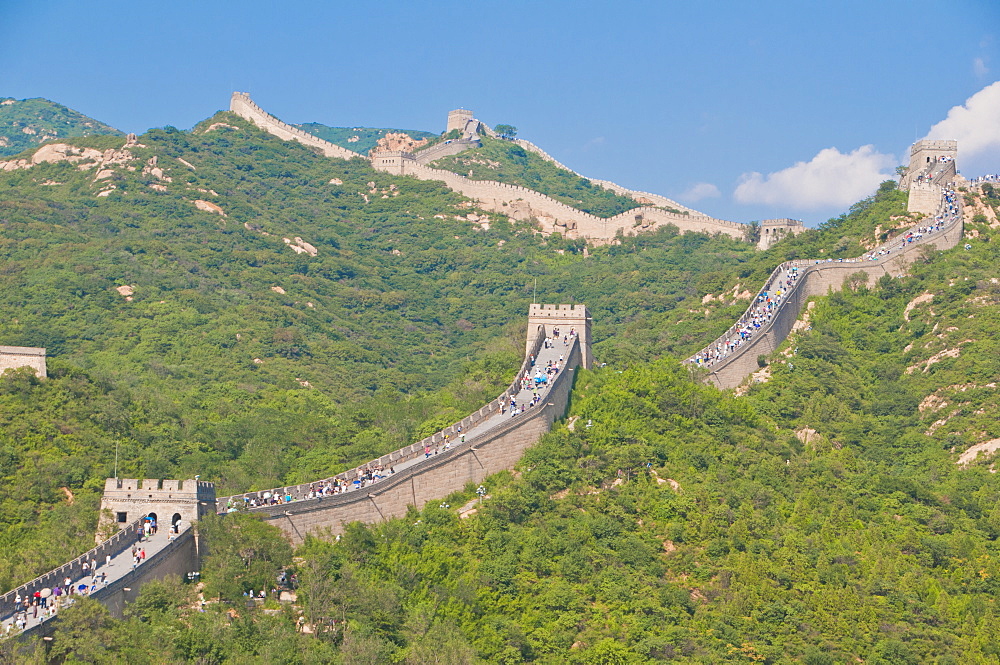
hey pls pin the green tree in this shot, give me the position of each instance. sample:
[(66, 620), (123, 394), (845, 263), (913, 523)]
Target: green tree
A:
[(245, 554), (506, 132)]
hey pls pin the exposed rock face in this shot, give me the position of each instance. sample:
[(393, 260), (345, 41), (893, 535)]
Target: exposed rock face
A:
[(85, 158), (397, 141), (300, 246), (208, 206)]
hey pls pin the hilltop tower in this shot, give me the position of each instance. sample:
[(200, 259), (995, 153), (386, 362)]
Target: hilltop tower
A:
[(458, 119), (773, 230), (925, 154), (932, 166), (167, 501), (563, 317)]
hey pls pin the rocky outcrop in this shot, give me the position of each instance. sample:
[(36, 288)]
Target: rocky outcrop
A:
[(397, 141)]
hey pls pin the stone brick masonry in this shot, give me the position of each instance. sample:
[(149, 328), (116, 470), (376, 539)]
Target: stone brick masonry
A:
[(13, 357)]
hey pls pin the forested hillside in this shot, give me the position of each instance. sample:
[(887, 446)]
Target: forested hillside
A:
[(26, 123), (185, 331), (819, 518), (237, 307)]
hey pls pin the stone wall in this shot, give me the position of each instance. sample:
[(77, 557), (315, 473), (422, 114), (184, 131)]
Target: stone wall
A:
[(243, 106), (13, 357), (535, 338), (450, 471), (179, 557), (114, 546), (514, 201), (444, 149), (554, 216), (818, 279)]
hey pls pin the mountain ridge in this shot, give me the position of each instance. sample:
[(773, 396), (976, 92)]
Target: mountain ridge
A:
[(26, 123)]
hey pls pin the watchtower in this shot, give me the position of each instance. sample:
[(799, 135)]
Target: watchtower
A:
[(12, 357), (563, 317), (458, 119), (166, 501), (773, 230), (927, 153)]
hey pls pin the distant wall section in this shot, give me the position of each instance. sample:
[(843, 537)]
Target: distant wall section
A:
[(13, 357), (516, 202), (243, 106)]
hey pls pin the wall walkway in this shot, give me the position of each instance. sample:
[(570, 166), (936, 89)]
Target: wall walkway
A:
[(165, 555), (494, 441), (817, 278)]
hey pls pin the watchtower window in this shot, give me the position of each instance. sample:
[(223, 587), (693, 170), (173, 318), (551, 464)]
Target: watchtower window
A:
[(121, 517)]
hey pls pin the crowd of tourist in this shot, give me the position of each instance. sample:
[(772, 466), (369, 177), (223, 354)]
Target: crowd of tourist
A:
[(756, 317), (45, 602), (949, 213), (931, 174), (535, 381), (771, 297), (989, 177)]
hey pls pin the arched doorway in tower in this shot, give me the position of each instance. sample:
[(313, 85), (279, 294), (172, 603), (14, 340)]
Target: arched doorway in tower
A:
[(175, 523), (151, 522)]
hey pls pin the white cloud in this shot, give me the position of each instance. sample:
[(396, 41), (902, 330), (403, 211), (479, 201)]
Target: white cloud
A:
[(831, 178), (975, 125), (979, 68), (699, 191)]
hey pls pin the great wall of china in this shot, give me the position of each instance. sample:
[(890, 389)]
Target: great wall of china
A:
[(522, 203), (467, 451)]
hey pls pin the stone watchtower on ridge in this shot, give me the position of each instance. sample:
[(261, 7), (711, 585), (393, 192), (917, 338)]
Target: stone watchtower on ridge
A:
[(563, 317), (458, 119), (932, 166), (166, 501)]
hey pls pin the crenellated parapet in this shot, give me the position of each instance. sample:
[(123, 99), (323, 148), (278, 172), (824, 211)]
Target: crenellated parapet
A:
[(167, 501), (243, 106)]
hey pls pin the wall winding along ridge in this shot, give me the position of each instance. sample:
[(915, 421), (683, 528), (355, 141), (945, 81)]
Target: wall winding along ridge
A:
[(495, 442), (489, 448), (514, 201), (243, 106), (816, 278)]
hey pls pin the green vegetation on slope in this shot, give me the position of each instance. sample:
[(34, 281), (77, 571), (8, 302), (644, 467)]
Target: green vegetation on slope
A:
[(26, 123), (863, 541), (240, 360), (360, 139), (811, 521), (508, 162)]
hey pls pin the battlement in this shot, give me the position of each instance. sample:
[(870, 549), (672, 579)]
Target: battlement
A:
[(13, 357), (565, 311), (167, 501), (458, 118), (564, 317), (944, 145)]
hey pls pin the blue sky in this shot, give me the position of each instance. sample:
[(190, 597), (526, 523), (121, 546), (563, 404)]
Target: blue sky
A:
[(686, 99)]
